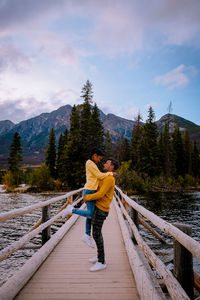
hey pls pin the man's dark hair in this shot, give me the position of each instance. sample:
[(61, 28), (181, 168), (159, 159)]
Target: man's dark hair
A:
[(114, 162), (97, 151)]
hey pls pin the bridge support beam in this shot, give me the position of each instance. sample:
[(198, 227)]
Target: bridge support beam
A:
[(134, 216), (46, 215), (183, 264)]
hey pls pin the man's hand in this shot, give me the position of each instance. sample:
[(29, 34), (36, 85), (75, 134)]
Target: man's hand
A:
[(84, 199)]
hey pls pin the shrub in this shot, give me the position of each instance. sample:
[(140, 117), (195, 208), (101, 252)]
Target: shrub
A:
[(8, 180), (189, 180), (129, 180), (42, 179), (180, 181), (58, 185)]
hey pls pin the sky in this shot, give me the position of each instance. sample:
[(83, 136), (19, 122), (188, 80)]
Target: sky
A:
[(136, 53)]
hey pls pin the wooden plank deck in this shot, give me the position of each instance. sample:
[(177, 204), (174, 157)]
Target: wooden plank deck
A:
[(65, 273)]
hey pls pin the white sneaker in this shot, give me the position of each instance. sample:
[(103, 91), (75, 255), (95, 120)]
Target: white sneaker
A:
[(67, 211), (93, 259), (88, 240), (69, 208), (98, 266)]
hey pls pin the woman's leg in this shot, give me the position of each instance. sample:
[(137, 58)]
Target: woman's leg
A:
[(90, 208), (85, 213)]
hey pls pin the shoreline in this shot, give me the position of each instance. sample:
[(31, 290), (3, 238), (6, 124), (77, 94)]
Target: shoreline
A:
[(155, 189)]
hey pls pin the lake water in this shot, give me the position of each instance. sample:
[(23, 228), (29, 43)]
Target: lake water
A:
[(172, 207), (13, 230)]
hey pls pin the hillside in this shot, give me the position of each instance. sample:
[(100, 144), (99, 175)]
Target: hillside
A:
[(34, 132), (6, 126), (182, 123)]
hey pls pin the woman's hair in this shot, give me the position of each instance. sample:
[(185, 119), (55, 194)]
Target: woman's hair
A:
[(96, 151)]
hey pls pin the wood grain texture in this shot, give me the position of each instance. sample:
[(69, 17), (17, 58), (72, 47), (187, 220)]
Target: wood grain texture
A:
[(65, 273)]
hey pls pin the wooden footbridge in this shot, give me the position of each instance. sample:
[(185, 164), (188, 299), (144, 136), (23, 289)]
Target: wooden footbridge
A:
[(59, 270)]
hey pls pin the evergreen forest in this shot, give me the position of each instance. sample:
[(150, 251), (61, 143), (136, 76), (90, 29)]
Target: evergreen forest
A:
[(151, 160)]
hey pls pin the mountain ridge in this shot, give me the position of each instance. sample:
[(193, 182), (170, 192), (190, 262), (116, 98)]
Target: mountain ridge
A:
[(34, 132)]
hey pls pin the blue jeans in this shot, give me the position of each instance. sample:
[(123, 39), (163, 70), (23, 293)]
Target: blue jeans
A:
[(86, 213)]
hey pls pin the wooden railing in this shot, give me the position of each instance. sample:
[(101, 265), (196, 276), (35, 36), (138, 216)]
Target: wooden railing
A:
[(135, 251), (19, 279), (174, 288)]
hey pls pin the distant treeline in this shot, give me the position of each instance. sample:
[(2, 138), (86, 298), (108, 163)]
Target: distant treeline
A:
[(151, 158)]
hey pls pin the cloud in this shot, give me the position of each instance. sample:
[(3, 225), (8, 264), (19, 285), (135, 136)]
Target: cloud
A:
[(178, 77), (111, 28), (56, 46), (22, 108), (14, 109), (126, 27), (17, 110), (13, 59), (13, 14), (63, 97)]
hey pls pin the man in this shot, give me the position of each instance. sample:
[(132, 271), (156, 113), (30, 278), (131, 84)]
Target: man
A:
[(93, 177), (103, 198)]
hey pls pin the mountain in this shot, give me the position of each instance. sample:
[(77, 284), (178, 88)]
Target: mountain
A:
[(34, 132), (5, 126), (175, 120), (183, 124)]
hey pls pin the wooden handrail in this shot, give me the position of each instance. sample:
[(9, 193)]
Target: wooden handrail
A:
[(22, 211), (148, 227), (189, 243), (144, 284), (173, 286), (63, 207), (14, 284), (21, 242)]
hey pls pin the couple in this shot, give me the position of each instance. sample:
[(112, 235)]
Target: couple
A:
[(98, 194)]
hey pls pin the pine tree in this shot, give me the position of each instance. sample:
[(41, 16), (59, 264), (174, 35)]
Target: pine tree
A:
[(187, 145), (85, 120), (60, 155), (121, 149), (74, 168), (51, 153), (97, 129), (169, 163), (15, 158), (108, 145), (135, 139), (124, 153), (62, 143), (148, 158), (87, 93), (195, 161), (161, 152), (178, 152), (65, 136)]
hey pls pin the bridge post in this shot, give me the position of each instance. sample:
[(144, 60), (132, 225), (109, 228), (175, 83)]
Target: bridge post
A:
[(134, 216), (46, 215), (183, 263)]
